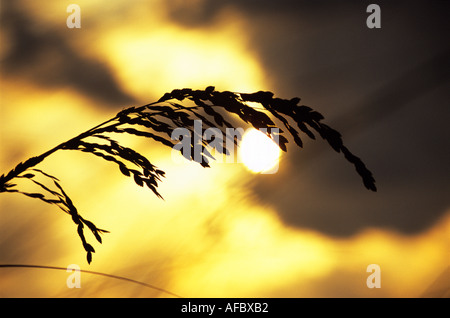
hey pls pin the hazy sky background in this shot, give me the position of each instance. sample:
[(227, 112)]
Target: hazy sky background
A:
[(308, 231)]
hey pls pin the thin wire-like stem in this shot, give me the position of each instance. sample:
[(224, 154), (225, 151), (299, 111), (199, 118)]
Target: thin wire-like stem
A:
[(93, 273)]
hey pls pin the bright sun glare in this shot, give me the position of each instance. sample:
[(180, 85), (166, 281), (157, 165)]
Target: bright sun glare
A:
[(258, 152)]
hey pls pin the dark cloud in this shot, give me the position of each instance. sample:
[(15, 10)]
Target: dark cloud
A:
[(42, 54), (386, 90), (405, 148)]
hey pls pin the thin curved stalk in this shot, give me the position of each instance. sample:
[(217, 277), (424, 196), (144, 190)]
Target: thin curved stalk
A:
[(94, 273)]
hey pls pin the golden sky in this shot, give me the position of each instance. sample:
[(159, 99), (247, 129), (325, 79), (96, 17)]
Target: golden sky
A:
[(211, 236)]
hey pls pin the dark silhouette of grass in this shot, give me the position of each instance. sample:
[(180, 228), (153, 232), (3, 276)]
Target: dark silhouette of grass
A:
[(157, 121), (91, 272)]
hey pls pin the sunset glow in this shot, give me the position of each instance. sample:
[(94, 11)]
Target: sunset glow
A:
[(258, 152), (242, 228)]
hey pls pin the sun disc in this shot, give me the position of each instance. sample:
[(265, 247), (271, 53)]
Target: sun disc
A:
[(258, 152)]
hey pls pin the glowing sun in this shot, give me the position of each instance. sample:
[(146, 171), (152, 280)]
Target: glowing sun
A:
[(258, 152)]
